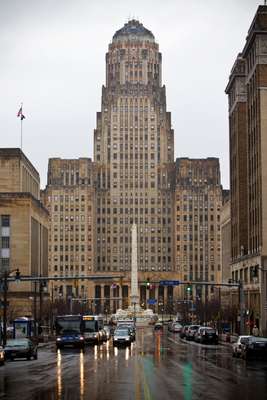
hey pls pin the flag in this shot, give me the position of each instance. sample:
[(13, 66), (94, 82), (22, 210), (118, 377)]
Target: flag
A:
[(20, 114)]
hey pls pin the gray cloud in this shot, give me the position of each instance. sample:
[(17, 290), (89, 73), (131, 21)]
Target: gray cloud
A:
[(53, 59)]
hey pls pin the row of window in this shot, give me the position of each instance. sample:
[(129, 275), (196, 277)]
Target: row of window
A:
[(68, 198), (140, 210)]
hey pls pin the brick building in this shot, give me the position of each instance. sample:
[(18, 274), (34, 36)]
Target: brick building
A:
[(247, 94)]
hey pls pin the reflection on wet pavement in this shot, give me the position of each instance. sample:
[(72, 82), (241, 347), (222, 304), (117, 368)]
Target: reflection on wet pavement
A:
[(157, 366)]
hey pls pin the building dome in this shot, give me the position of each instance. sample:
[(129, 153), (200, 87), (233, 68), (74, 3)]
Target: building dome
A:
[(133, 30)]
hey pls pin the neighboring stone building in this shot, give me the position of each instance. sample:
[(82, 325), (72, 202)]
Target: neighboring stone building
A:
[(23, 228), (70, 199), (198, 202), (247, 93), (226, 241), (226, 250)]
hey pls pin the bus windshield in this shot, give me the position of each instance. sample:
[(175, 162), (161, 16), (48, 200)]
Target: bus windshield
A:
[(90, 326), (68, 325)]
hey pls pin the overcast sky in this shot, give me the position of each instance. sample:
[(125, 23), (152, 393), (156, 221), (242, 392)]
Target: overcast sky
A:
[(53, 59)]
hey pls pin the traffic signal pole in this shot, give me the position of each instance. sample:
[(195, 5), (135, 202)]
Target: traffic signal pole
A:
[(5, 288)]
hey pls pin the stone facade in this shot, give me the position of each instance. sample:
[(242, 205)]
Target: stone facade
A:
[(133, 153), (70, 199), (23, 228), (247, 93), (198, 202), (134, 179), (17, 174)]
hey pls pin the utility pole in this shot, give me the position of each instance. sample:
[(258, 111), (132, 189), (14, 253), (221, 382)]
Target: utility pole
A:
[(40, 304), (5, 289), (35, 307), (242, 308)]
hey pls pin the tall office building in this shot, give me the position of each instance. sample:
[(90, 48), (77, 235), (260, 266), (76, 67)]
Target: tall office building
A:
[(247, 94), (133, 152), (198, 201)]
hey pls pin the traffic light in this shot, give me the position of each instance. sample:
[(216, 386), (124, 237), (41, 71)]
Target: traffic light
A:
[(148, 283), (189, 288)]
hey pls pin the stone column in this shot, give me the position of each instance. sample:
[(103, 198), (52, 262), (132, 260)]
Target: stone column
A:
[(134, 271)]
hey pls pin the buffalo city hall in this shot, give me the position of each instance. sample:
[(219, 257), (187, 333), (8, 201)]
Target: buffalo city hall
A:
[(133, 179)]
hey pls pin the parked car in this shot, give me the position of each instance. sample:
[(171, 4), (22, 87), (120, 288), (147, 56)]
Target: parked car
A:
[(236, 347), (206, 335), (2, 356), (176, 327), (191, 331), (20, 348), (158, 326), (170, 323), (122, 337), (183, 331), (254, 347)]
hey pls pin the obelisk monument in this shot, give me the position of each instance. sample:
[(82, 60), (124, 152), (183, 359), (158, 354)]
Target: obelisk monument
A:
[(134, 270)]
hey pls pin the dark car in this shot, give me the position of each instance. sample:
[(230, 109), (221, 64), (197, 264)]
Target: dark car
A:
[(70, 339), (20, 348), (206, 335), (122, 337), (130, 328), (158, 326), (254, 348)]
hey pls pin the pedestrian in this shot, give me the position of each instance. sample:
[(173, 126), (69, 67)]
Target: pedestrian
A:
[(255, 331)]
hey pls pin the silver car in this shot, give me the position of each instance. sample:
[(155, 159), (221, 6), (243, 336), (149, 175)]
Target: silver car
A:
[(122, 337), (237, 346)]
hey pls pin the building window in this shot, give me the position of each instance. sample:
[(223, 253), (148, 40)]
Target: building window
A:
[(5, 220), (5, 242)]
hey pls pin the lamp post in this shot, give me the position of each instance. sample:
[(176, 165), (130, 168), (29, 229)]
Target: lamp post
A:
[(5, 290)]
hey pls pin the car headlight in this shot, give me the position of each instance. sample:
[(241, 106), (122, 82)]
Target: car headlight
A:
[(58, 339), (81, 338)]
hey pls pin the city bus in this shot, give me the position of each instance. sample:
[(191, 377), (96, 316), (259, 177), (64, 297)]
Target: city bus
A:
[(93, 329), (69, 331)]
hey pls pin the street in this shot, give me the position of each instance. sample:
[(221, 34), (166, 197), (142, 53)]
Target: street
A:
[(157, 366)]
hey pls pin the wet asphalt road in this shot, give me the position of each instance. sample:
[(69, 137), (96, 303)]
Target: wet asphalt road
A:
[(157, 366)]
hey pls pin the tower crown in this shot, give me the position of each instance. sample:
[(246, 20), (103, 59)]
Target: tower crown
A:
[(133, 30)]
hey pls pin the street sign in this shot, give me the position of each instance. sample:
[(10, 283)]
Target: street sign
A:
[(151, 301), (169, 283)]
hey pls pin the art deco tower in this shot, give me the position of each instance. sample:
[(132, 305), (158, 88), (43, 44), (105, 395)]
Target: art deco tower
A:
[(134, 156)]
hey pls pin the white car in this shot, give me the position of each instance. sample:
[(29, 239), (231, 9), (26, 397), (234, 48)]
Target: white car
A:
[(237, 346)]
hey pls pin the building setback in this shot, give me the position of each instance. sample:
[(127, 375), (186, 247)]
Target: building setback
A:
[(247, 94)]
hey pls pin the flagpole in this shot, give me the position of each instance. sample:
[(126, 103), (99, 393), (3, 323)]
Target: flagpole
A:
[(21, 134), (20, 114)]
